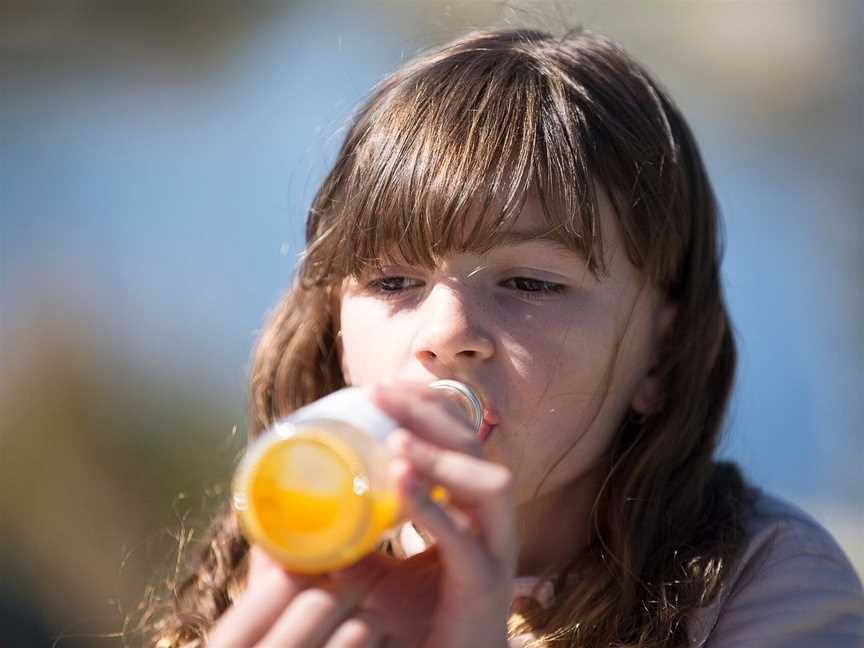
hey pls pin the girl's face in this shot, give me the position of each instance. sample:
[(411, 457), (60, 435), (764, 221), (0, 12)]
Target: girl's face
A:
[(557, 354)]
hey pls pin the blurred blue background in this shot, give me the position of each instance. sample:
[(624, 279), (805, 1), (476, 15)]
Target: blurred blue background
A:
[(155, 167)]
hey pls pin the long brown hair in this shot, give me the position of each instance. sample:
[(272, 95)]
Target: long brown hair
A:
[(474, 128)]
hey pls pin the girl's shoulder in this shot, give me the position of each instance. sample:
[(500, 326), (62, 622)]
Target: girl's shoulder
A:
[(792, 586)]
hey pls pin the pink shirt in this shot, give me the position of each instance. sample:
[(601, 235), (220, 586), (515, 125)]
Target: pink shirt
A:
[(793, 587)]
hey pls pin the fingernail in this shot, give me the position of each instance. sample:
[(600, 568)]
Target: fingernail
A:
[(398, 468)]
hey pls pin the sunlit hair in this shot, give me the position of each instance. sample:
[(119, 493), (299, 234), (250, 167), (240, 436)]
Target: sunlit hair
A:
[(467, 134)]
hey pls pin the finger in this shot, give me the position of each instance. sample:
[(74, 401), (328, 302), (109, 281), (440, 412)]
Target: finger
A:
[(462, 552), (252, 614), (425, 397), (430, 414), (310, 618), (360, 631), (316, 612), (260, 562), (481, 487)]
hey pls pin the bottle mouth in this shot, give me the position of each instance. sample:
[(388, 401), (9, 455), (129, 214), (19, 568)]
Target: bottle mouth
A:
[(472, 402)]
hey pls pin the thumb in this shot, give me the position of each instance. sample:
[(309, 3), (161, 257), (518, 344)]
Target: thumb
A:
[(259, 562)]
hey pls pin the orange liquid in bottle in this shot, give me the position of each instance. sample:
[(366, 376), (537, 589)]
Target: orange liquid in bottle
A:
[(314, 492), (306, 502)]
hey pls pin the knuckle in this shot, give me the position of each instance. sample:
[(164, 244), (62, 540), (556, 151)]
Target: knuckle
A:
[(316, 600), (435, 462), (463, 525), (501, 481)]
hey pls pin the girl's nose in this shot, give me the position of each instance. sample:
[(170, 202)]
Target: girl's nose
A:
[(450, 329)]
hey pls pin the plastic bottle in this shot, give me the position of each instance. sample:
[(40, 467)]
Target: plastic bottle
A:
[(313, 490)]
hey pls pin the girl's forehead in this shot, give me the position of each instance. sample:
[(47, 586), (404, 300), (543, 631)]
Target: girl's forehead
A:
[(532, 224), (390, 220)]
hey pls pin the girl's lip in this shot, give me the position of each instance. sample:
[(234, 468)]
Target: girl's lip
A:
[(490, 420), (485, 430), (491, 417)]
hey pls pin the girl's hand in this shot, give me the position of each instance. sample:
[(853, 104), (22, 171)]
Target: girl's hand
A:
[(455, 595), (286, 610), (475, 532)]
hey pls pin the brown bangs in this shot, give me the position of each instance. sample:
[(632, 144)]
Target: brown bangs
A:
[(443, 159)]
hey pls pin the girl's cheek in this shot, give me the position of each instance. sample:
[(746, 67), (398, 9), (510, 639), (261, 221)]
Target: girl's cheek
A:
[(373, 350)]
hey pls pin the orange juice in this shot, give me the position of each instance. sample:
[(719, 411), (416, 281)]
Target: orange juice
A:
[(314, 490), (306, 501)]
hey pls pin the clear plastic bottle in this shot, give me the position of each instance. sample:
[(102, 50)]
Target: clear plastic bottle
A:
[(314, 491)]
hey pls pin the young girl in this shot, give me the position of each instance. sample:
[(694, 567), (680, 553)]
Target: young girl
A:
[(530, 215)]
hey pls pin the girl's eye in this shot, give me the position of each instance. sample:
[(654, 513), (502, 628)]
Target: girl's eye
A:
[(533, 287), (393, 285)]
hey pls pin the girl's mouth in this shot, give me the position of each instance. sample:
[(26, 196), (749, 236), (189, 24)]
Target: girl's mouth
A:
[(490, 421), (485, 431)]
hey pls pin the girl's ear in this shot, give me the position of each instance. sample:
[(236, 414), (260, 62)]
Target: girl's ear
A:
[(649, 392)]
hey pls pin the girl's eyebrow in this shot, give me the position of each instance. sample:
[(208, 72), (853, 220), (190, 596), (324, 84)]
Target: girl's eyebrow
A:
[(546, 236), (516, 237)]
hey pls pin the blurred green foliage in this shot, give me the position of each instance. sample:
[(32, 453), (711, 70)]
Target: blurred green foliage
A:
[(104, 468)]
